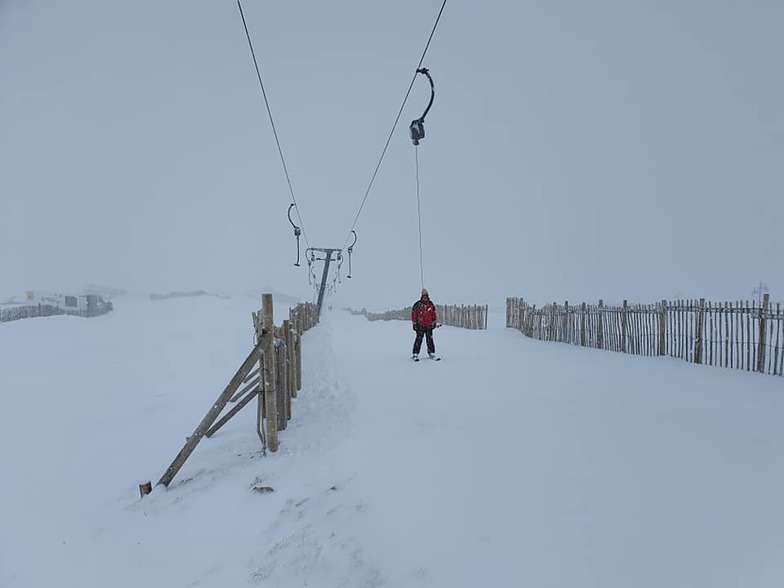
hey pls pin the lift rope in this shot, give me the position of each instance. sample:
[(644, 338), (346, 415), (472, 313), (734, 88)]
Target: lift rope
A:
[(419, 220), (394, 125), (417, 132)]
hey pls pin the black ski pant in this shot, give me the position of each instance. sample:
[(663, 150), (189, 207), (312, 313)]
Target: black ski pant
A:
[(424, 332)]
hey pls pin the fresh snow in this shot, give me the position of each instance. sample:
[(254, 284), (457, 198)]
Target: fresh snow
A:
[(513, 463)]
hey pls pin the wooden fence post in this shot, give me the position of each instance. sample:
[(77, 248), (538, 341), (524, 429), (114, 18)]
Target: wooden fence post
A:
[(294, 345), (762, 332), (662, 327), (291, 391), (270, 398), (520, 315), (298, 359), (551, 323), (600, 329), (699, 332), (582, 324), (283, 401), (624, 325), (524, 317)]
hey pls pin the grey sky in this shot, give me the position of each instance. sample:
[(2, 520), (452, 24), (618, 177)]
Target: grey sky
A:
[(576, 150)]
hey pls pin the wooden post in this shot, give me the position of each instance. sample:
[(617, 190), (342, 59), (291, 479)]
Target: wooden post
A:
[(747, 314), (523, 316), (624, 324), (762, 330), (281, 383), (270, 398), (291, 391), (600, 330), (724, 310), (296, 335), (777, 348), (552, 321), (711, 334), (733, 333), (662, 327), (256, 322), (583, 312), (700, 327), (298, 359)]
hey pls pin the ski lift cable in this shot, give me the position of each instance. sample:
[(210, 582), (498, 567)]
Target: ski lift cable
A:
[(272, 123), (397, 120)]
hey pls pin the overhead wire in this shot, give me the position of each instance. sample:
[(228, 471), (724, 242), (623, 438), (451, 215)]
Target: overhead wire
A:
[(397, 120), (272, 123)]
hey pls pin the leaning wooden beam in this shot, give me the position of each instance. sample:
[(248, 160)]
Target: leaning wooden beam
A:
[(239, 394), (242, 404), (210, 417), (253, 373)]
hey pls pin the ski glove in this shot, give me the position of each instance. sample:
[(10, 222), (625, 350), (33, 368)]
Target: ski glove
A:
[(416, 328)]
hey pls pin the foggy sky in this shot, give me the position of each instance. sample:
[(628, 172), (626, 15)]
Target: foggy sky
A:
[(575, 150)]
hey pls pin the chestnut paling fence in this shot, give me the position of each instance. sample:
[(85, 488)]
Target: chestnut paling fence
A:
[(465, 316), (740, 335), (28, 311), (13, 313)]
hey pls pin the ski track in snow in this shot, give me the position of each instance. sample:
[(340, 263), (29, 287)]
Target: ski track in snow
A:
[(513, 463)]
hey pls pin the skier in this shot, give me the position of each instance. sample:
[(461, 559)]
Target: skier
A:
[(423, 317)]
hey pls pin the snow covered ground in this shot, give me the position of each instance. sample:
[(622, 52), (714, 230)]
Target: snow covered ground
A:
[(510, 463)]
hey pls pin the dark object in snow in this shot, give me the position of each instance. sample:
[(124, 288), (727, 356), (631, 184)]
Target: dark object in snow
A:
[(145, 489)]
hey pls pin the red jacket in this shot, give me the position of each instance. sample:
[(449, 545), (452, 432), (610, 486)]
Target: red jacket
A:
[(423, 314)]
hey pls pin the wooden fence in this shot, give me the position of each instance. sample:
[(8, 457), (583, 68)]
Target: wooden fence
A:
[(15, 313), (463, 316), (272, 373), (95, 306), (740, 335)]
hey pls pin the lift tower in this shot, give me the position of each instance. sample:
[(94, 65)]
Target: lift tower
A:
[(327, 259)]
